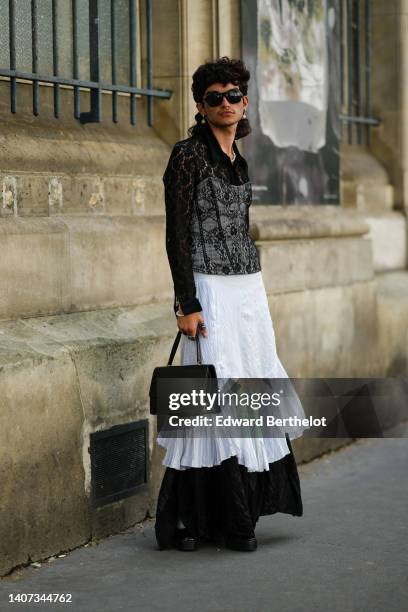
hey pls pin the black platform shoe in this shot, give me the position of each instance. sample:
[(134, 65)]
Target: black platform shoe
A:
[(243, 544), (184, 540)]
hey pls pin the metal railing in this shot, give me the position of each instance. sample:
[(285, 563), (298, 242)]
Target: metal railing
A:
[(355, 19), (94, 85)]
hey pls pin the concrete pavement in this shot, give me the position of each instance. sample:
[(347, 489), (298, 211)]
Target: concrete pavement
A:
[(348, 553)]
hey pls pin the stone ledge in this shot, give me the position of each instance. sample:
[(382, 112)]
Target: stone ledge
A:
[(29, 194), (68, 263), (359, 165), (305, 222), (47, 337), (299, 265)]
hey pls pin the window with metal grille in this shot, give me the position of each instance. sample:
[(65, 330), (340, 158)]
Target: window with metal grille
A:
[(91, 45), (119, 461), (355, 19)]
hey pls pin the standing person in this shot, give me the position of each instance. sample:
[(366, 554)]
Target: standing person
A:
[(214, 488)]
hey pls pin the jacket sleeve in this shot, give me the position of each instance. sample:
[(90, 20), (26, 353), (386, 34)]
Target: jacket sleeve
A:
[(179, 187)]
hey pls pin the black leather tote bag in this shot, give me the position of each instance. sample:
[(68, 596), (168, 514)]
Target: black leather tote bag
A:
[(191, 381)]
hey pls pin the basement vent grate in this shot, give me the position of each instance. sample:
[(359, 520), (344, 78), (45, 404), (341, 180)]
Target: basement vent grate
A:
[(119, 461)]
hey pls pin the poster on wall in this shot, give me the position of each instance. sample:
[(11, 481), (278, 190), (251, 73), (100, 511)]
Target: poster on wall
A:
[(291, 48)]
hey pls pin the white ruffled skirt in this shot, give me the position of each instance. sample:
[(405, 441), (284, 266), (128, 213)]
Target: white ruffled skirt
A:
[(240, 344)]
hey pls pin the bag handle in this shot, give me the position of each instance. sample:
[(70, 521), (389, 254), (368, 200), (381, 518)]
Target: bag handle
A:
[(175, 346)]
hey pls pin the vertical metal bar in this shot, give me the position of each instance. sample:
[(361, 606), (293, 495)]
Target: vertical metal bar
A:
[(12, 45), (368, 68), (149, 60), (341, 33), (94, 58), (75, 61), (55, 66), (34, 59), (215, 18), (113, 61), (132, 58), (357, 32), (350, 59), (342, 12), (95, 114)]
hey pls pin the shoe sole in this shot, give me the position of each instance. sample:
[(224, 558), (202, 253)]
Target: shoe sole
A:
[(187, 545), (243, 546)]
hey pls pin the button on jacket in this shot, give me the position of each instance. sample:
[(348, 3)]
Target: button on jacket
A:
[(207, 198)]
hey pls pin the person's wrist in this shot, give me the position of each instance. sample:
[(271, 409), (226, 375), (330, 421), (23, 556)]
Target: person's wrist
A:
[(190, 306)]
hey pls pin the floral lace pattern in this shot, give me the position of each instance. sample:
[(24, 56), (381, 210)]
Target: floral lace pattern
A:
[(219, 229), (207, 198)]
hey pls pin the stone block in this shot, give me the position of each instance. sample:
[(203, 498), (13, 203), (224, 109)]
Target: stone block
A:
[(141, 195), (8, 196), (74, 262), (388, 235), (297, 265), (34, 267), (117, 261), (43, 505), (328, 332), (392, 298)]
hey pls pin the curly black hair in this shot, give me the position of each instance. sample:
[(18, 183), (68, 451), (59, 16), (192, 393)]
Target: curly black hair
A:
[(223, 70)]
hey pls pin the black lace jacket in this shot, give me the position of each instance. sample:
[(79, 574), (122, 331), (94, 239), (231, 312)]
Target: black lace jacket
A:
[(207, 199)]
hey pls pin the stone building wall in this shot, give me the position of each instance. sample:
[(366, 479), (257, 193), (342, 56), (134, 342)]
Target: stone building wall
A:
[(86, 293)]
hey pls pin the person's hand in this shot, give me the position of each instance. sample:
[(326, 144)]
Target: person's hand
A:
[(191, 324)]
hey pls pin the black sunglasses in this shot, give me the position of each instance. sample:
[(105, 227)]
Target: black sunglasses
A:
[(214, 98)]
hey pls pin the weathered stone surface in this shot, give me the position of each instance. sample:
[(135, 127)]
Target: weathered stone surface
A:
[(68, 263), (392, 312), (296, 265), (282, 227), (43, 194), (388, 235), (61, 379), (34, 267), (328, 332), (43, 506)]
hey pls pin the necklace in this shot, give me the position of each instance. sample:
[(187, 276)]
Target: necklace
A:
[(233, 157)]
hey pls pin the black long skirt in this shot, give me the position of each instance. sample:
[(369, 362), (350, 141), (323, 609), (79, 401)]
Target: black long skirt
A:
[(225, 500)]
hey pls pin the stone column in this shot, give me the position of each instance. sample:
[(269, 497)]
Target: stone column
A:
[(187, 33)]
